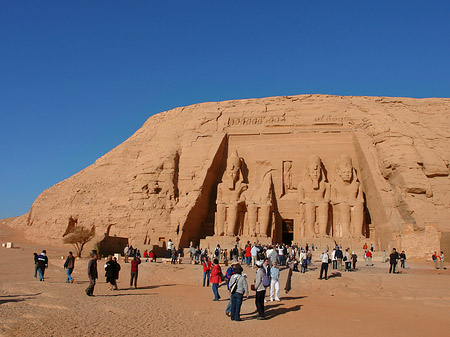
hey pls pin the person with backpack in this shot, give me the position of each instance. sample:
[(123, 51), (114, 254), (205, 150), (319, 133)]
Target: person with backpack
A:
[(435, 260), (230, 272), (238, 287), (42, 263), (261, 283), (206, 270)]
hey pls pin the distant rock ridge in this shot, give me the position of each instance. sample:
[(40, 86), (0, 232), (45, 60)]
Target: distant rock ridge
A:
[(162, 182)]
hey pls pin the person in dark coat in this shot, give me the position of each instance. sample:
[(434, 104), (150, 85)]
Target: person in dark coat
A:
[(111, 272), (42, 263), (69, 265), (92, 273)]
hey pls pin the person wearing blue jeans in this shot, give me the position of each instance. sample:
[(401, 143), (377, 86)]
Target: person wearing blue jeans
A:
[(206, 270), (238, 286), (236, 303), (69, 265), (216, 279)]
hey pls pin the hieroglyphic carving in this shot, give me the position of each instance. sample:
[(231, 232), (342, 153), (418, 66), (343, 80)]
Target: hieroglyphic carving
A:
[(287, 177), (261, 120)]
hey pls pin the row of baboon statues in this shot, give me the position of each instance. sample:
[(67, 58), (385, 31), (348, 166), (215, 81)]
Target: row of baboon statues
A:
[(240, 214)]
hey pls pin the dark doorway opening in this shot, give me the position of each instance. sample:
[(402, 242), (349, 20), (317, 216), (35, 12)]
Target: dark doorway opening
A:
[(288, 231)]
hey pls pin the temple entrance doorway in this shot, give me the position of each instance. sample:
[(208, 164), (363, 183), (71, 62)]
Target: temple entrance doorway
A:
[(287, 231)]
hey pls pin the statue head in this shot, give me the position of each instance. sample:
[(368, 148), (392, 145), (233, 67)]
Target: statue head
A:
[(314, 170), (233, 171), (345, 168)]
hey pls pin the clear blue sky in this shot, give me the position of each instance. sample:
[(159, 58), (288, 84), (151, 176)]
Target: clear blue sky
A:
[(77, 78)]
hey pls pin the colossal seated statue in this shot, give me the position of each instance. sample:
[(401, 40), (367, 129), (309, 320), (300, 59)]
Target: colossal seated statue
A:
[(314, 197), (347, 200), (229, 197), (259, 207)]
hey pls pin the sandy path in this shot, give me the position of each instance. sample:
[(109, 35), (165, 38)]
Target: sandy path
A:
[(172, 302)]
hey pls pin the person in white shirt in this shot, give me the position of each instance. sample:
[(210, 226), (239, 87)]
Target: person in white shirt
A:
[(254, 252), (274, 282), (324, 257)]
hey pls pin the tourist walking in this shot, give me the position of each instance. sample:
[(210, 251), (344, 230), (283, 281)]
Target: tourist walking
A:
[(354, 259), (339, 258), (92, 273), (254, 252), (238, 287), (111, 273), (229, 273), (134, 271), (369, 258), (435, 260), (274, 282), (393, 260), (126, 252), (206, 270), (441, 260), (334, 259), (261, 282), (216, 279), (42, 263), (169, 248), (324, 267), (69, 265), (248, 254), (402, 259), (303, 261), (347, 260)]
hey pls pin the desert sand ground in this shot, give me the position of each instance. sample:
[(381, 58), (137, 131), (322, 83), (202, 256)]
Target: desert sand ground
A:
[(170, 301)]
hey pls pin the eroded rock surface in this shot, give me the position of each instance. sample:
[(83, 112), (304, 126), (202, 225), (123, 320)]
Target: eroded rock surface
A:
[(163, 181)]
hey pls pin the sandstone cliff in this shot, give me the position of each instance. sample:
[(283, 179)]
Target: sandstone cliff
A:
[(161, 181)]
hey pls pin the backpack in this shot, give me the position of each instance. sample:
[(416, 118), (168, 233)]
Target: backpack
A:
[(233, 287), (265, 280)]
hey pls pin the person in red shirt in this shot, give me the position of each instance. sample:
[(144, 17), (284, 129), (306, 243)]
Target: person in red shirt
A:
[(152, 256), (216, 279), (134, 271), (369, 258), (206, 270), (248, 254)]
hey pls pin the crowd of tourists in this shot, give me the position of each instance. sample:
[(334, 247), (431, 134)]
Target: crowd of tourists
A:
[(266, 259)]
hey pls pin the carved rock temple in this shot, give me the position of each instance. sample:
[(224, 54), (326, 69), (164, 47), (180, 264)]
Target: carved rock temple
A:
[(293, 169)]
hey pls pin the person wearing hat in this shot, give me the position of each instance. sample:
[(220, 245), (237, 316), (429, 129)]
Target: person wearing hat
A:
[(262, 276), (228, 275), (92, 273), (239, 287)]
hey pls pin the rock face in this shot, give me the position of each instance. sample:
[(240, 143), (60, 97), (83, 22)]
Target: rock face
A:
[(292, 168)]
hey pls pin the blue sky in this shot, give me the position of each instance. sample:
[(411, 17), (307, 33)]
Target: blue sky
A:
[(77, 78)]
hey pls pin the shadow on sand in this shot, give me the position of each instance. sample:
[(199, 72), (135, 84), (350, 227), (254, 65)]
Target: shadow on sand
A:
[(17, 298)]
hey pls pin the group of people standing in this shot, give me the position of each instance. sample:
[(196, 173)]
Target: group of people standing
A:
[(237, 285)]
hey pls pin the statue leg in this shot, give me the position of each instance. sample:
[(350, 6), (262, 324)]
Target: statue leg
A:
[(357, 219), (220, 220), (252, 219), (232, 219), (264, 217), (310, 219), (322, 215), (344, 219)]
